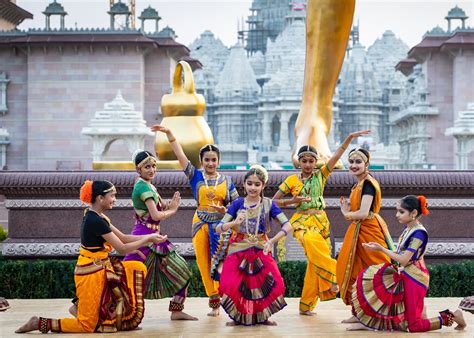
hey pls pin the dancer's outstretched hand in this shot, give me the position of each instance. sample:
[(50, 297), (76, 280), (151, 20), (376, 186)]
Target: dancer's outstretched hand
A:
[(240, 218), (156, 238), (175, 201), (298, 199), (345, 205), (359, 133), (160, 128), (267, 248), (219, 208), (373, 246)]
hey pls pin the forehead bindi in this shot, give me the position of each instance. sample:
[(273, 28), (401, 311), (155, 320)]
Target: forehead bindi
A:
[(306, 159), (356, 158), (253, 180), (210, 156)]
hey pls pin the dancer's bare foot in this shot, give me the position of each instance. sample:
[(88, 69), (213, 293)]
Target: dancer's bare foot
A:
[(214, 313), (269, 323), (232, 323), (350, 320), (307, 313), (180, 315), (30, 325), (334, 288), (459, 319), (4, 304), (356, 327), (73, 310)]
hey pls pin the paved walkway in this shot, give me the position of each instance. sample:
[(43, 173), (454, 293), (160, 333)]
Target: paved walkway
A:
[(157, 324)]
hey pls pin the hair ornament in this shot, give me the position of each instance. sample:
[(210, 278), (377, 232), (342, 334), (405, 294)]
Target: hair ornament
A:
[(423, 205), (86, 192), (359, 153), (258, 167)]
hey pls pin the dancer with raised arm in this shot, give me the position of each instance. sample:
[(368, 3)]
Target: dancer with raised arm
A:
[(310, 224), (213, 192)]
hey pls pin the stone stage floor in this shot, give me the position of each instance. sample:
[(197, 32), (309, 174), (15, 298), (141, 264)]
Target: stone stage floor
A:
[(156, 322)]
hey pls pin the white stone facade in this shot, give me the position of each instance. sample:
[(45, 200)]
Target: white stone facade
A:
[(118, 121)]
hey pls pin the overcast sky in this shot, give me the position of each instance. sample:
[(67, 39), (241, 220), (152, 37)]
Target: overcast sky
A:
[(408, 19)]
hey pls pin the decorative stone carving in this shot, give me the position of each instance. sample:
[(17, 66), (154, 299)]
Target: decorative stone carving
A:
[(118, 121), (76, 203), (3, 93), (441, 249), (235, 110), (463, 131), (4, 142), (412, 123), (66, 249)]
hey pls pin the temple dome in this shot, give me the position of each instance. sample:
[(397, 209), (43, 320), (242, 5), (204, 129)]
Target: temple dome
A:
[(358, 81), (237, 80), (285, 60)]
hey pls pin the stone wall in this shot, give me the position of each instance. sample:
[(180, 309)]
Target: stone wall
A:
[(14, 63), (45, 212)]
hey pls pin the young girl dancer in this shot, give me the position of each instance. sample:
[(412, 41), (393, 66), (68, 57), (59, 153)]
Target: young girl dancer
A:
[(168, 272), (367, 226), (310, 223), (391, 297), (213, 192), (251, 285), (102, 282)]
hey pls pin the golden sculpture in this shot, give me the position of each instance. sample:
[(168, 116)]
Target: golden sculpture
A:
[(113, 165), (328, 25), (183, 112)]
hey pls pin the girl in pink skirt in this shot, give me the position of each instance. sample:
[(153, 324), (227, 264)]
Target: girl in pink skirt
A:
[(251, 286)]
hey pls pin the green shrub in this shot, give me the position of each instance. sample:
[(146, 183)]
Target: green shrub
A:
[(54, 279), (452, 280), (3, 234)]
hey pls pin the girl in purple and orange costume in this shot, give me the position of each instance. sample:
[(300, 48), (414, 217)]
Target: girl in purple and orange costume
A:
[(168, 273), (390, 297)]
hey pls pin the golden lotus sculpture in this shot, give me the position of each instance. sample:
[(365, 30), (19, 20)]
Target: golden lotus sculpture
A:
[(183, 112)]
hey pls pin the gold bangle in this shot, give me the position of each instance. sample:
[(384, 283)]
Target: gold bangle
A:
[(171, 140), (345, 148)]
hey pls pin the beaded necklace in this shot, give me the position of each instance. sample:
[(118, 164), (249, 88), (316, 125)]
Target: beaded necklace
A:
[(253, 212), (306, 187), (211, 194)]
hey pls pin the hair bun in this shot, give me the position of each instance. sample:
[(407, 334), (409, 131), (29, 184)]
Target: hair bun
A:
[(135, 153), (86, 192), (423, 205), (260, 168)]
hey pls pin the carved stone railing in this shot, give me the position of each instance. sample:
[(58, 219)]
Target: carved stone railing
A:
[(45, 212)]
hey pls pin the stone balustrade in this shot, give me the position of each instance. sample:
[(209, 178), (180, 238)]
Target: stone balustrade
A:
[(44, 210)]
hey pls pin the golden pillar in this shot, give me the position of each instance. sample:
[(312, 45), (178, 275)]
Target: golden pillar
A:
[(328, 25), (183, 112)]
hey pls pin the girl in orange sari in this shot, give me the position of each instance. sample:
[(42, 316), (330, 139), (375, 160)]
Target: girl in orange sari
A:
[(109, 292), (367, 226)]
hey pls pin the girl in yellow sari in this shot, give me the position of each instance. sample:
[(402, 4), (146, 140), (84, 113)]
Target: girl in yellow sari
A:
[(213, 192), (310, 223), (367, 226), (109, 292)]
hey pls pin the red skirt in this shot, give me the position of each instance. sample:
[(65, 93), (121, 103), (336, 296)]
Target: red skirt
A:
[(251, 287)]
